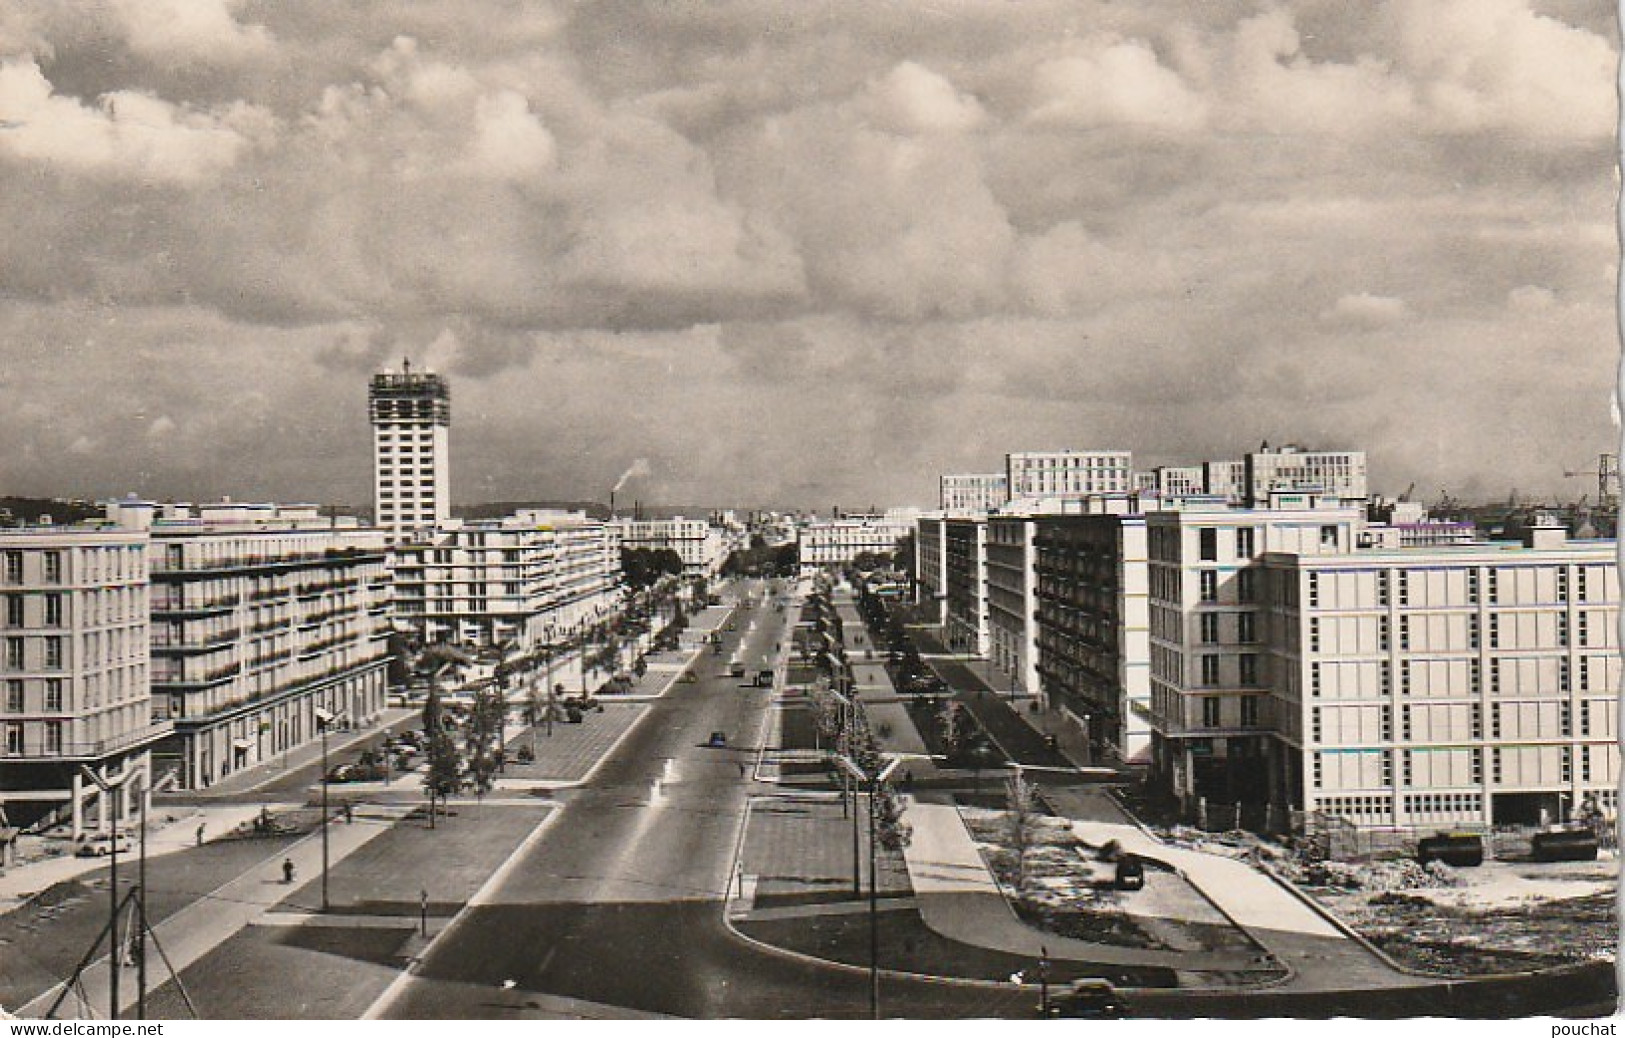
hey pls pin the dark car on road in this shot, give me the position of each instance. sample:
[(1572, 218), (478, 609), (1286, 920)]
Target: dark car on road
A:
[(1089, 998)]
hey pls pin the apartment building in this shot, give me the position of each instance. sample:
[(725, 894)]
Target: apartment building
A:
[(1338, 474), (1091, 626), (1068, 473), (838, 542), (1209, 689), (1226, 480), (260, 616), (972, 492), (522, 580), (411, 426), (702, 547), (1012, 603), (1446, 686), (74, 670), (966, 612), (931, 567)]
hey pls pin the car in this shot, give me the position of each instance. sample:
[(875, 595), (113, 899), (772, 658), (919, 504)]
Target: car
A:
[(340, 772), (1130, 873), (717, 739), (101, 845), (1088, 998)]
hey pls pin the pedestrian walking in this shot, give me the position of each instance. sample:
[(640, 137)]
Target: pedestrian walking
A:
[(349, 813), (200, 826), (287, 871)]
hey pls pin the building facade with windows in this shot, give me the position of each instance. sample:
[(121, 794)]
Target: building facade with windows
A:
[(1068, 473), (74, 688), (1012, 603), (838, 542), (931, 567), (702, 547), (1092, 627), (411, 443), (1210, 692), (1339, 474), (260, 617), (523, 580), (965, 556), (1448, 686), (973, 491), (1226, 480)]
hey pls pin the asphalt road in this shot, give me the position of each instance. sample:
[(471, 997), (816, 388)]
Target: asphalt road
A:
[(620, 905)]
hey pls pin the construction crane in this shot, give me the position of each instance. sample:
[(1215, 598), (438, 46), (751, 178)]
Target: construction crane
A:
[(1607, 473)]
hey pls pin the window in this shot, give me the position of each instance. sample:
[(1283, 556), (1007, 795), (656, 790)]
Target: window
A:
[(1382, 587), (1246, 627), (1210, 670), (53, 695), (53, 566), (53, 610), (1387, 722), (1562, 629), (1382, 633), (14, 567), (1209, 623), (1208, 541), (1209, 585), (1404, 677), (1314, 634), (1210, 712), (1244, 542), (53, 737), (1472, 631), (1563, 583), (1405, 722), (1472, 586), (53, 653), (1249, 710), (1249, 668), (1494, 585), (14, 653), (1246, 585), (1314, 724), (1328, 536), (1385, 672), (1404, 632), (1580, 583), (1495, 630), (14, 611), (1314, 679), (1404, 587), (1580, 628), (14, 696), (1314, 590), (1478, 722), (14, 738)]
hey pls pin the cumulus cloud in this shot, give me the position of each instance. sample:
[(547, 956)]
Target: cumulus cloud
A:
[(913, 99), (129, 132), (1114, 82), (204, 31), (965, 230)]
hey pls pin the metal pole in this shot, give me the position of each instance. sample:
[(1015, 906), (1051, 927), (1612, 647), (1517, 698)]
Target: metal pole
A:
[(141, 908), (324, 817), (114, 963), (874, 914)]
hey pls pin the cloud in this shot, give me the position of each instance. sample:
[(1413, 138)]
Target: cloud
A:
[(203, 31), (913, 99), (130, 132), (509, 141), (162, 427), (1362, 309), (1113, 83)]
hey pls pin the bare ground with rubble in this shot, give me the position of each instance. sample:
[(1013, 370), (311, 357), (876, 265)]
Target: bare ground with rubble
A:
[(1499, 917)]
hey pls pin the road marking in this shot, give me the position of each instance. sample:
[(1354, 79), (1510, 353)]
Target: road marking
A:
[(481, 896)]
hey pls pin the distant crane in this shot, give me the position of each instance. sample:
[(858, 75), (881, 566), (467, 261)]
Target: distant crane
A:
[(1406, 496), (1607, 473)]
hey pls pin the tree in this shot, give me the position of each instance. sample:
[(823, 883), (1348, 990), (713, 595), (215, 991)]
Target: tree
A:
[(485, 738), (643, 567), (1021, 799), (445, 763), (956, 726)]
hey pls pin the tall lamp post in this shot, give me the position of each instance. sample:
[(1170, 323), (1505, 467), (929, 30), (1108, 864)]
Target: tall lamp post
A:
[(110, 808), (873, 782), (324, 720)]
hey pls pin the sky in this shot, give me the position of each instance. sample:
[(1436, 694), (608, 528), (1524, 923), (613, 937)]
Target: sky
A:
[(809, 254)]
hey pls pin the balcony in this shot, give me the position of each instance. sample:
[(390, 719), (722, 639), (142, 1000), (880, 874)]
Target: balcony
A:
[(181, 608), (163, 645), (219, 676), (71, 751)]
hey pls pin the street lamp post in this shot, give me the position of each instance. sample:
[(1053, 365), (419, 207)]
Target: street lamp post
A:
[(324, 721), (873, 782)]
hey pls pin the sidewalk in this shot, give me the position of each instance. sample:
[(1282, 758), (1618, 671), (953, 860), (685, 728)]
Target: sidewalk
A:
[(21, 882), (193, 932), (247, 780)]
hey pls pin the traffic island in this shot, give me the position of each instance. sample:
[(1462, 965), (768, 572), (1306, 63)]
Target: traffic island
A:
[(565, 753), (795, 892)]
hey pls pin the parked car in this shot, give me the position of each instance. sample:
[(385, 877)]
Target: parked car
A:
[(1088, 998), (101, 845), (1130, 873)]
